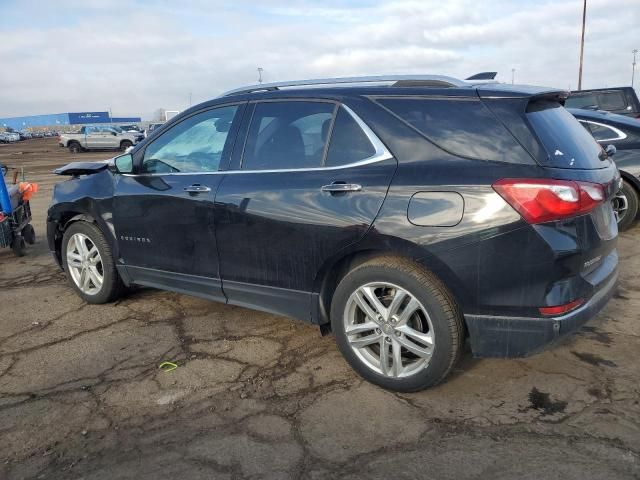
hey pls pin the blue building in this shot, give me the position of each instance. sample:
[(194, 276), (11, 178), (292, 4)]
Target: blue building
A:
[(59, 119)]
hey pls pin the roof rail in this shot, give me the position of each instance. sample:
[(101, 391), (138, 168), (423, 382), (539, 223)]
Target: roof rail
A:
[(401, 80)]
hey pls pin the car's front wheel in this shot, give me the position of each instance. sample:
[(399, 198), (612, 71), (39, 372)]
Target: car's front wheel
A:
[(625, 206), (125, 144), (89, 264), (396, 324), (75, 147)]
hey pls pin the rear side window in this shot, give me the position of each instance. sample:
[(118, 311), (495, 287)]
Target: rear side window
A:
[(581, 101), (567, 143), (287, 135), (349, 143), (612, 101), (463, 127)]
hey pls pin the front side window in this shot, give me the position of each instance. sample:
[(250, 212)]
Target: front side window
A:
[(193, 145), (287, 135)]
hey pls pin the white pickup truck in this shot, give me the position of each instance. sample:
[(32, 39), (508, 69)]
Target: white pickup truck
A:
[(98, 137)]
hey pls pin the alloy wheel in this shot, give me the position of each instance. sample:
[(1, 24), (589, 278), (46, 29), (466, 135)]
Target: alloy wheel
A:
[(620, 205), (85, 264), (388, 329)]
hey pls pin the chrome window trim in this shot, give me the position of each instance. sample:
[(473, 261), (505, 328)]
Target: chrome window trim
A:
[(620, 134), (381, 154)]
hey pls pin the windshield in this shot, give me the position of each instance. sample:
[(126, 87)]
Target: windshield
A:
[(567, 143)]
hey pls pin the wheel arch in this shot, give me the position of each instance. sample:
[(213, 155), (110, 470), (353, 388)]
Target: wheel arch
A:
[(631, 180), (335, 268)]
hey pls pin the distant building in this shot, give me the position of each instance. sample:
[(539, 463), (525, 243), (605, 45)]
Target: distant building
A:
[(60, 119)]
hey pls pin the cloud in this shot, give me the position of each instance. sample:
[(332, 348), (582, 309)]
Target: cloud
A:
[(137, 56)]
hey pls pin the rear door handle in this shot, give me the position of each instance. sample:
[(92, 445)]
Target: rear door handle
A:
[(197, 188), (341, 187)]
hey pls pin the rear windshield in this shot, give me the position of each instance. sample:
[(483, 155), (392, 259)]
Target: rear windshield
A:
[(567, 143)]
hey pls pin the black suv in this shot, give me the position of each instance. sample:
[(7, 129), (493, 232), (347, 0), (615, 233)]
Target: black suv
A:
[(405, 214), (620, 100)]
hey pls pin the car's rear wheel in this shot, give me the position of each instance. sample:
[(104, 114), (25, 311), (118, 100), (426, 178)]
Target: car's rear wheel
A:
[(396, 324), (89, 265), (75, 147), (125, 144), (625, 206)]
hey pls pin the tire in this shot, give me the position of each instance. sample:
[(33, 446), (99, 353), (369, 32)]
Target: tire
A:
[(625, 206), (125, 144), (75, 147), (91, 291), (19, 246), (437, 317), (29, 234)]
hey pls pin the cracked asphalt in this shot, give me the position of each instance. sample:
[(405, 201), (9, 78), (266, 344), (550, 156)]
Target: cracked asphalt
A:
[(261, 396)]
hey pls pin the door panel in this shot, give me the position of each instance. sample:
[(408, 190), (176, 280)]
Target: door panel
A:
[(276, 225), (278, 228), (164, 214)]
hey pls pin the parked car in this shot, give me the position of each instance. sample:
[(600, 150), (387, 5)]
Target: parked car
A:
[(93, 137), (9, 137), (624, 134), (151, 128), (402, 213), (620, 100)]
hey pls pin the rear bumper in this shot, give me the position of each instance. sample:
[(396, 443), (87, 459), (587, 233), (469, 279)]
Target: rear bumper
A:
[(497, 336)]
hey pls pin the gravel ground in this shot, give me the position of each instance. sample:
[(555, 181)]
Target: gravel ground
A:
[(261, 396)]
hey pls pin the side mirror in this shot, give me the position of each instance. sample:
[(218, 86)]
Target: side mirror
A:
[(115, 134), (611, 150), (122, 164)]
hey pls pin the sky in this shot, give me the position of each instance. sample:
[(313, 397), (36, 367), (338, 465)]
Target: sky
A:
[(135, 56)]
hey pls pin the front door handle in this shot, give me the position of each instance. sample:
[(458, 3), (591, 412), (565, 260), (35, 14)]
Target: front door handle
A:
[(197, 188), (337, 187)]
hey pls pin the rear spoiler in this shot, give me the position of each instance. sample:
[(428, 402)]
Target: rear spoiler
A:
[(532, 93), (82, 168)]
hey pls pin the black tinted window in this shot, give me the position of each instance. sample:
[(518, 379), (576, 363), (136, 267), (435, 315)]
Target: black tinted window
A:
[(602, 133), (567, 143), (349, 143), (612, 101), (193, 145), (462, 127), (287, 135), (582, 101)]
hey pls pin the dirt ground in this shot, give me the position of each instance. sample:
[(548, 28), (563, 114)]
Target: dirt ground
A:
[(261, 396)]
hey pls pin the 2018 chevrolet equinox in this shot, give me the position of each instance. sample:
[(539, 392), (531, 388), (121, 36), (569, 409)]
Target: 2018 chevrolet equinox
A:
[(404, 214)]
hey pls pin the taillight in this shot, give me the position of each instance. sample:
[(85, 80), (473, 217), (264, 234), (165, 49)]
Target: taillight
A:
[(560, 309), (541, 200)]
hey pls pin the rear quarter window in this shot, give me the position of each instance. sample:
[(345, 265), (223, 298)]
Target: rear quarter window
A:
[(463, 127)]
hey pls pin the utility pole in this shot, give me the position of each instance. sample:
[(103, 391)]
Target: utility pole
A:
[(260, 70), (584, 19), (633, 67), (189, 98), (513, 75)]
